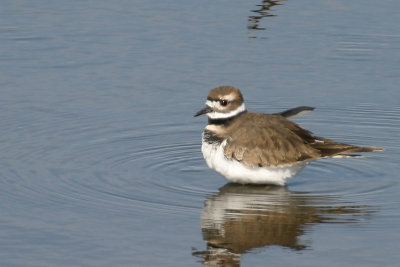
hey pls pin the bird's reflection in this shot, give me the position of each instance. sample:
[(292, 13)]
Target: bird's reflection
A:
[(243, 217)]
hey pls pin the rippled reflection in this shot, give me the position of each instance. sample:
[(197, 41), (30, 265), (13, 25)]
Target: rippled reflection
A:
[(243, 217), (263, 11)]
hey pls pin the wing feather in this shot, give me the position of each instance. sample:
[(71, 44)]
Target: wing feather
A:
[(268, 140)]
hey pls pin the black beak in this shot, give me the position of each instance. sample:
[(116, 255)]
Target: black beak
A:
[(203, 111)]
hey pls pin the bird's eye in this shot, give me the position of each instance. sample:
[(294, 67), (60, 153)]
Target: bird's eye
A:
[(223, 103)]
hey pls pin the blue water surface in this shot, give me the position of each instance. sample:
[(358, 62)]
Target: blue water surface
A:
[(100, 161)]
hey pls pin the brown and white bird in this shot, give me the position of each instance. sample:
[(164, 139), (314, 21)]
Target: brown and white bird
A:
[(254, 148)]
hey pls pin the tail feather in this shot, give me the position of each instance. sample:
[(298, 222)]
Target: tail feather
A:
[(329, 148)]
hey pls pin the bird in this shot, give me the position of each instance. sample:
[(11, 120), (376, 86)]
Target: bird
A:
[(257, 148)]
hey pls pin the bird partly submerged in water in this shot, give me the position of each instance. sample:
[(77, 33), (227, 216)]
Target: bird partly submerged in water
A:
[(254, 148)]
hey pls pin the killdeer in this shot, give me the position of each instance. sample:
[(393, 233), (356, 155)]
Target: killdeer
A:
[(254, 148)]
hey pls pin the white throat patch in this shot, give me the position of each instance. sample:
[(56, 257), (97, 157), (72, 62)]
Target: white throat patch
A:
[(220, 115)]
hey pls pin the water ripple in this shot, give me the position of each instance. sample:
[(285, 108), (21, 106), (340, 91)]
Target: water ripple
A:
[(146, 169)]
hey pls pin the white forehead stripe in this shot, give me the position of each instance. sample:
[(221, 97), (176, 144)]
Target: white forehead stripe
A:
[(219, 115), (214, 104)]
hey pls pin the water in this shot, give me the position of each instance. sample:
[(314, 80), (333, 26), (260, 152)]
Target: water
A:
[(100, 155)]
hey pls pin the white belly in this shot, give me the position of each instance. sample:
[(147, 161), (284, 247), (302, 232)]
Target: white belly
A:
[(236, 172)]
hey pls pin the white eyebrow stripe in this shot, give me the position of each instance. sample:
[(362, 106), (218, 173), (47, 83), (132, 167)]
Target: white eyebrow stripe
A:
[(230, 97)]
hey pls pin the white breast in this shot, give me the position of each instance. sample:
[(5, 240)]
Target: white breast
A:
[(236, 172)]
